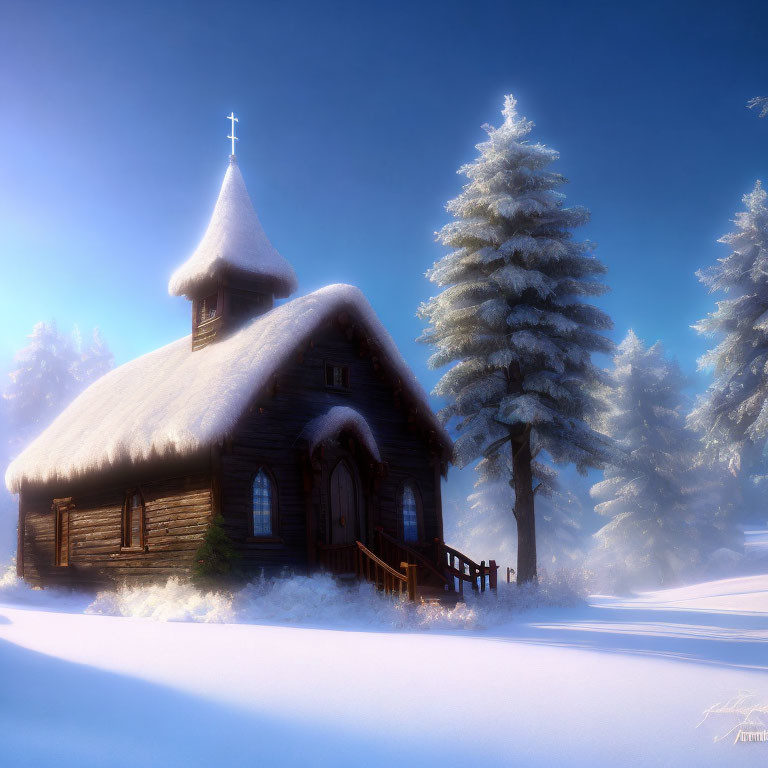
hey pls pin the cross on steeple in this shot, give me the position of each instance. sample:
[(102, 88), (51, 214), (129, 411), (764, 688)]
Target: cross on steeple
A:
[(234, 138)]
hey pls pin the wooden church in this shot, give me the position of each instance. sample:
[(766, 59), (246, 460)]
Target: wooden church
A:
[(299, 423)]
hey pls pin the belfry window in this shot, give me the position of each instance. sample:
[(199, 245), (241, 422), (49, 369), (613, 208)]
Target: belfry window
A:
[(207, 308)]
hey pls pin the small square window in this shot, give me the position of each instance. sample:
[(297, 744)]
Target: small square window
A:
[(336, 376)]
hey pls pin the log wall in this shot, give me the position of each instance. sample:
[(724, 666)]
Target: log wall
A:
[(182, 495), (176, 514)]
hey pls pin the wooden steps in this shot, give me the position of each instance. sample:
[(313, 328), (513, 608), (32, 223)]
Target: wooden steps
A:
[(398, 568)]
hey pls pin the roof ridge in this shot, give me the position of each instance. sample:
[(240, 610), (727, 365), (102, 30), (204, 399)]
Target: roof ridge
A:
[(191, 399)]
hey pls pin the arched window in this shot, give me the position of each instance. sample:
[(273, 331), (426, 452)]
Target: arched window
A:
[(263, 505), (410, 514)]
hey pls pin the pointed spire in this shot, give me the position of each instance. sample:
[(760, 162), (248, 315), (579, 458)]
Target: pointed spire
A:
[(234, 241)]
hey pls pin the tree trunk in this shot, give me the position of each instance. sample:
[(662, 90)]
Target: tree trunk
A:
[(522, 481)]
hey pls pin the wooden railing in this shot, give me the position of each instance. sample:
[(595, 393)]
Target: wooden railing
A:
[(457, 565), (357, 559), (374, 570), (393, 551), (452, 568)]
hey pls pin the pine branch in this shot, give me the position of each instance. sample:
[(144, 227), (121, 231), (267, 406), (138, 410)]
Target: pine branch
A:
[(494, 446), (759, 101)]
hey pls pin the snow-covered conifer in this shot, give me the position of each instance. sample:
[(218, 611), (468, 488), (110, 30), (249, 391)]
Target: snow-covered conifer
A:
[(664, 520), (48, 373), (759, 102), (733, 413), (514, 320), (93, 361)]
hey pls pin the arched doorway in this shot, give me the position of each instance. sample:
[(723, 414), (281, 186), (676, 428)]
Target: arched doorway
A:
[(344, 516)]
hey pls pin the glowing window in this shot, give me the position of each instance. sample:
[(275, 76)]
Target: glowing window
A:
[(262, 504), (410, 514)]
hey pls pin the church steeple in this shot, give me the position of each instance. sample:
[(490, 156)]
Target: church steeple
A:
[(235, 272)]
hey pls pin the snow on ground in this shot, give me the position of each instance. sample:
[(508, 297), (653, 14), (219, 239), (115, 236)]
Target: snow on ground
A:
[(746, 595), (507, 681)]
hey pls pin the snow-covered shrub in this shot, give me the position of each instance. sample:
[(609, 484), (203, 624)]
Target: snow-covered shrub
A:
[(322, 602), (175, 600), (315, 601), (318, 601), (216, 556)]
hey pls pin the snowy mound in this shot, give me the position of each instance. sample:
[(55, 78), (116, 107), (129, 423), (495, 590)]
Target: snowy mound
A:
[(299, 600), (174, 400), (746, 595), (234, 238)]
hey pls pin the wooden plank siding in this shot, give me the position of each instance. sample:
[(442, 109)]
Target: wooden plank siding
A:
[(182, 494), (269, 434), (176, 516)]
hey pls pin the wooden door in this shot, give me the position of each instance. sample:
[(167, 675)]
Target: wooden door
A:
[(343, 505)]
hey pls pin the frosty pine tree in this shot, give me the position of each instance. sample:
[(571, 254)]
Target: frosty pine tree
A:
[(665, 520), (48, 373), (733, 413), (512, 319)]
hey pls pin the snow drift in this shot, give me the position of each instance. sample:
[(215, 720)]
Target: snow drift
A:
[(319, 601), (316, 600)]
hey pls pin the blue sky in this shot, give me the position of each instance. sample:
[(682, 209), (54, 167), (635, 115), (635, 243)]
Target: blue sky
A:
[(354, 118)]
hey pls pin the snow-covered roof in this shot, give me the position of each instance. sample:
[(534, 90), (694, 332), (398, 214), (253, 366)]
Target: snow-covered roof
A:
[(234, 238), (174, 400), (331, 424)]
